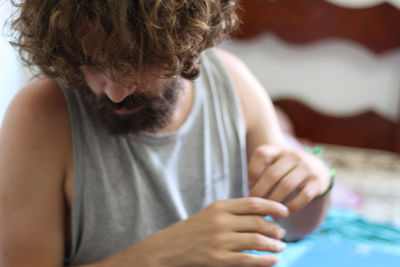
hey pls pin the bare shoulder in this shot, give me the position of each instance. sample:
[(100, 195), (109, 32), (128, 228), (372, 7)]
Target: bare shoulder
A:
[(40, 94), (34, 149), (39, 100), (260, 118), (37, 119)]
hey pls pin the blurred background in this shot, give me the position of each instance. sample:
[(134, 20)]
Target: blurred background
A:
[(335, 76), (334, 63), (333, 69)]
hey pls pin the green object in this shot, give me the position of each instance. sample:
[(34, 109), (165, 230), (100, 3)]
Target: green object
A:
[(317, 151)]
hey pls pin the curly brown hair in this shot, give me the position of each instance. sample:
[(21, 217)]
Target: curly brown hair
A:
[(57, 35)]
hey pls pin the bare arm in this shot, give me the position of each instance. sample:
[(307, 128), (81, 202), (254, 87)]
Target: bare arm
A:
[(31, 179), (276, 170)]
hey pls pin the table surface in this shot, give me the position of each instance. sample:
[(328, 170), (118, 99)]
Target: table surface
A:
[(373, 176)]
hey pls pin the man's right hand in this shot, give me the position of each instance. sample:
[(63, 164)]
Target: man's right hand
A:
[(215, 236)]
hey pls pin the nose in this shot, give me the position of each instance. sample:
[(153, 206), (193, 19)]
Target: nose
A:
[(116, 92)]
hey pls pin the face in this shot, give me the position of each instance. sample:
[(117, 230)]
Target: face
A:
[(130, 106)]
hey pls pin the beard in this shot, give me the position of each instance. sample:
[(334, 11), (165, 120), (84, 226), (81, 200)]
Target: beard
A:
[(150, 112)]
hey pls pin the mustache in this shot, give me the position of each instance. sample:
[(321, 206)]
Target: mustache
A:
[(136, 99), (130, 102)]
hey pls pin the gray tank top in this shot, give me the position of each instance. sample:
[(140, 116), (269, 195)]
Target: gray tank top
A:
[(127, 187)]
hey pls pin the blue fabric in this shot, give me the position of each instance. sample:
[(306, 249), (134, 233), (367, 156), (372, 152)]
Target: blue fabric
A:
[(344, 239)]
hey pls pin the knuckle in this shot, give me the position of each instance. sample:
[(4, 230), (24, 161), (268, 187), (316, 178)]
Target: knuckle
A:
[(309, 168), (257, 241), (246, 260), (307, 195), (219, 222), (297, 155), (218, 241), (260, 223), (253, 172), (313, 174), (273, 173), (217, 206), (285, 185), (215, 257), (261, 153), (253, 204)]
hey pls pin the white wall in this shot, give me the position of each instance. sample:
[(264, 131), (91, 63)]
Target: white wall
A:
[(363, 3), (334, 76), (13, 76)]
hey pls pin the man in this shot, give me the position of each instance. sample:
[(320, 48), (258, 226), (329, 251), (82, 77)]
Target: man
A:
[(141, 145)]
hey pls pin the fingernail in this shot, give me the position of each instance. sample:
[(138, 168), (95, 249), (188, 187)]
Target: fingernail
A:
[(284, 208), (281, 232), (281, 245)]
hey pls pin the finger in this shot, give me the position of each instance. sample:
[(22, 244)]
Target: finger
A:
[(271, 176), (262, 157), (288, 184), (304, 197), (257, 224), (251, 206), (254, 241), (237, 259)]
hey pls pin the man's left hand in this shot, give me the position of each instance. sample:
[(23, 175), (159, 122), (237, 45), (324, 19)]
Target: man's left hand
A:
[(277, 173)]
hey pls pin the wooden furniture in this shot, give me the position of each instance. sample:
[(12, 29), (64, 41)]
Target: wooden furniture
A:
[(305, 21)]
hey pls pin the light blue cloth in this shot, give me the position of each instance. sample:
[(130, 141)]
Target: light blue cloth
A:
[(344, 239)]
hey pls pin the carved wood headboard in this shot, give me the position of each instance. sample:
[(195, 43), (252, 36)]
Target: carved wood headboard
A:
[(304, 21)]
